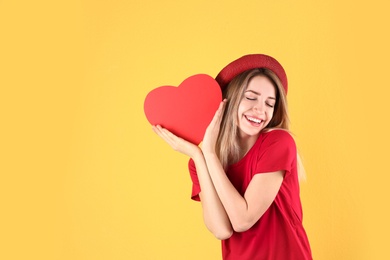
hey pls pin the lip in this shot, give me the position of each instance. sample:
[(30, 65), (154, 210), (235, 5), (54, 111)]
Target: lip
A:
[(254, 119)]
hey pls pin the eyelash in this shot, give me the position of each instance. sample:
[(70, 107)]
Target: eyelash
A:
[(253, 99)]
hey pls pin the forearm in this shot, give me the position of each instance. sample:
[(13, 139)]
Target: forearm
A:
[(235, 205), (214, 214)]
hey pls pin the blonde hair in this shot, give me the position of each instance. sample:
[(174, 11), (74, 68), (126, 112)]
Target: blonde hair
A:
[(228, 148)]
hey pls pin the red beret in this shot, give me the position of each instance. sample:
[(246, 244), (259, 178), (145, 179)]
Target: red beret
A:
[(248, 62)]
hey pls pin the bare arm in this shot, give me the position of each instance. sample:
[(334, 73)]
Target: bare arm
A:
[(214, 214), (243, 211)]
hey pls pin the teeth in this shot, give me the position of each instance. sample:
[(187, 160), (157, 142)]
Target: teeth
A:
[(254, 119)]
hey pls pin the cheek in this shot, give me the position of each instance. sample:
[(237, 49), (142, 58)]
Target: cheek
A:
[(270, 114), (245, 105), (241, 109)]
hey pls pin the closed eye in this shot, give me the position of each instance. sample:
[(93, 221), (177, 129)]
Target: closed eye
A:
[(250, 98)]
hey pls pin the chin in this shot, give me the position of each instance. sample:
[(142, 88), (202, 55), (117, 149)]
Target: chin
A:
[(248, 134)]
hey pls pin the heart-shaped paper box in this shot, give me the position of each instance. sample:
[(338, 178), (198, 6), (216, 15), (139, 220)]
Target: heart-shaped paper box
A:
[(185, 110)]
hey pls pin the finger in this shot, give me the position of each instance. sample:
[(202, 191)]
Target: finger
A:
[(221, 107), (167, 136), (159, 131), (174, 141), (218, 114)]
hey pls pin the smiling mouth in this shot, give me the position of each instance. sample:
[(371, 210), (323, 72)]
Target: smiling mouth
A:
[(253, 120)]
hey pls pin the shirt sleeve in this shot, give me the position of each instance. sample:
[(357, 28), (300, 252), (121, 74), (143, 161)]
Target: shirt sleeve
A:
[(195, 181), (277, 153)]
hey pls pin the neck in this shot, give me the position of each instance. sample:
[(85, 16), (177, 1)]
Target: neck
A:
[(246, 143)]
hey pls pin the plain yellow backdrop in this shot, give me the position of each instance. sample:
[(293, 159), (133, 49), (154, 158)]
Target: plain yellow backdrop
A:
[(84, 177)]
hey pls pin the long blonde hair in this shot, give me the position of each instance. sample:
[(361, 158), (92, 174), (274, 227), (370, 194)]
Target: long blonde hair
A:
[(228, 149)]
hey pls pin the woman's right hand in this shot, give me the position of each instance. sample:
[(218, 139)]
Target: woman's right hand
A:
[(178, 144)]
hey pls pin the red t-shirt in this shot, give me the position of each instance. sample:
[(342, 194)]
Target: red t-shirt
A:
[(279, 233)]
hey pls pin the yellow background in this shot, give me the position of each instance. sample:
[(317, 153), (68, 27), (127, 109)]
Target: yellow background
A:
[(84, 177)]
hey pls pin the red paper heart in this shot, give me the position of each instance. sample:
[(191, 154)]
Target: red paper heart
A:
[(185, 110)]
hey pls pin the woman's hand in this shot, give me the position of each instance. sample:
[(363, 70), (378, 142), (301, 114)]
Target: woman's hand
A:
[(178, 144), (212, 131)]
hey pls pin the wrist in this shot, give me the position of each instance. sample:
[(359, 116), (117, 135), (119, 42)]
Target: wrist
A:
[(209, 153), (208, 149), (197, 154)]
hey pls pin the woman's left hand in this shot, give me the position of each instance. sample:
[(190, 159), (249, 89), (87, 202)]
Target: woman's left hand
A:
[(177, 143), (212, 131)]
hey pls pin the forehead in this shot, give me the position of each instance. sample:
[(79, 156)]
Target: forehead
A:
[(261, 85)]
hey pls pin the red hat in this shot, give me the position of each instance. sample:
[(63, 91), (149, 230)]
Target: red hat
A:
[(251, 61)]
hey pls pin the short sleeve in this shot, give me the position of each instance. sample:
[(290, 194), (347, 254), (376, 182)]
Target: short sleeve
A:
[(195, 181), (278, 152)]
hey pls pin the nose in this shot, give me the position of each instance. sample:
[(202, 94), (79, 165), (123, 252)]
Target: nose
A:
[(259, 107)]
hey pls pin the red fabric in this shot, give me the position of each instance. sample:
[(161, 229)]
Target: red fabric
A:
[(279, 233), (251, 61)]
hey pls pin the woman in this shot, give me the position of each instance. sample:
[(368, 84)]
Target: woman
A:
[(246, 172)]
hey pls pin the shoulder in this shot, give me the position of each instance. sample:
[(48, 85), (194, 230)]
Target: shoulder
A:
[(280, 136), (277, 151)]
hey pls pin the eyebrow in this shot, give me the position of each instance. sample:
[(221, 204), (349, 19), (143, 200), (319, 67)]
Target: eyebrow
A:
[(257, 93)]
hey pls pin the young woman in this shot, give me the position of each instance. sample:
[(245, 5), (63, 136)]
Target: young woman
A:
[(246, 172)]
